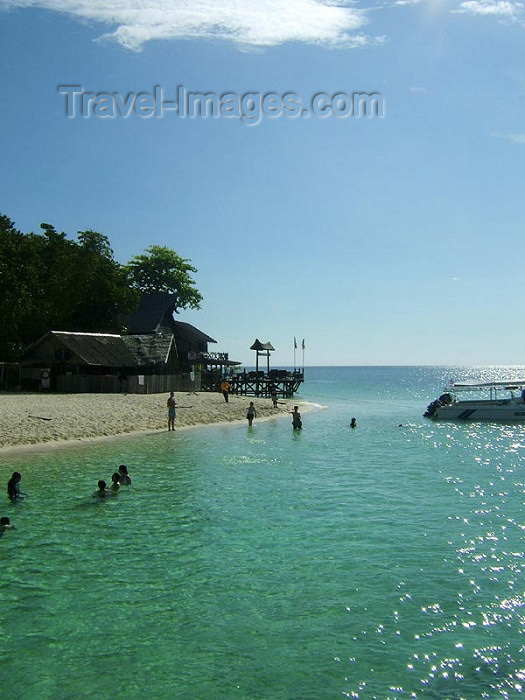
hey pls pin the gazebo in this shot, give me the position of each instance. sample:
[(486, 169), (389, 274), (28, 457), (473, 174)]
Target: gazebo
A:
[(262, 350)]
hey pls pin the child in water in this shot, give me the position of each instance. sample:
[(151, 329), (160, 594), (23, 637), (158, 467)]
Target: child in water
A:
[(13, 487), (102, 491), (251, 413), (124, 476), (5, 524), (115, 485)]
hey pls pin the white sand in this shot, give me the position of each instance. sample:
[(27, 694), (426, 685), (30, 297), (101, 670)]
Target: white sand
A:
[(33, 419)]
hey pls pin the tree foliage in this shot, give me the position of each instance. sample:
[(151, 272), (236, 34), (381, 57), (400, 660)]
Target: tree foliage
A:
[(21, 273), (160, 269), (49, 282)]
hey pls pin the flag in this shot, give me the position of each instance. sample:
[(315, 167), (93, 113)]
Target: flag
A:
[(303, 346), (294, 343)]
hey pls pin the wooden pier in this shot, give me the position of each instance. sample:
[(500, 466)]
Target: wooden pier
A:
[(280, 382)]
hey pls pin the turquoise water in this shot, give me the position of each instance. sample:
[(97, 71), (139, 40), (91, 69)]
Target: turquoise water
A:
[(381, 562)]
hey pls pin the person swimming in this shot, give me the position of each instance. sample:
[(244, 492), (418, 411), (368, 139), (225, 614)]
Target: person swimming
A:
[(5, 524), (115, 485), (125, 478), (102, 491), (353, 423)]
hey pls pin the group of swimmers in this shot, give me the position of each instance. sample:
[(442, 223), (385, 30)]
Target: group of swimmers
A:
[(14, 494), (118, 479)]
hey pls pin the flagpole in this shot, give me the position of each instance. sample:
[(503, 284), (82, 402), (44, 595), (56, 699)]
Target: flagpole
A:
[(303, 346), (294, 351)]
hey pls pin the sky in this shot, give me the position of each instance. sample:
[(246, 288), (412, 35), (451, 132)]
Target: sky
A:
[(357, 181)]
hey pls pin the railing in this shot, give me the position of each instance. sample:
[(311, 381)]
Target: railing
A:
[(207, 357)]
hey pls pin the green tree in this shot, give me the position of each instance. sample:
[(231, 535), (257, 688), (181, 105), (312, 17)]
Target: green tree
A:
[(21, 272), (161, 269), (84, 289), (103, 286), (48, 282)]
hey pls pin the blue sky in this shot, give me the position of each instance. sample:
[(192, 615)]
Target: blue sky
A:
[(380, 240)]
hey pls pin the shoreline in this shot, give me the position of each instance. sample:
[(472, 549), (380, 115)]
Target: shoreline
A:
[(31, 422)]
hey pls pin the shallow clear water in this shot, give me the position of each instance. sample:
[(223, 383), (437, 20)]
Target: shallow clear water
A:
[(380, 562)]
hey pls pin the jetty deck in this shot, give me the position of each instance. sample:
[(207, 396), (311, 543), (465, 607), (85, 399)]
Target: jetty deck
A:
[(283, 383)]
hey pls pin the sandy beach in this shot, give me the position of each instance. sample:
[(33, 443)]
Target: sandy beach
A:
[(34, 419)]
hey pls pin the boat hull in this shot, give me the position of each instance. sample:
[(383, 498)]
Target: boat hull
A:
[(508, 412)]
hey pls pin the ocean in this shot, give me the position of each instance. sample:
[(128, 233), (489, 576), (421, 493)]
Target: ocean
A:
[(264, 563)]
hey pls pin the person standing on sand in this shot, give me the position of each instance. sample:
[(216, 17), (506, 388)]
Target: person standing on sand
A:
[(225, 388), (171, 403), (251, 413)]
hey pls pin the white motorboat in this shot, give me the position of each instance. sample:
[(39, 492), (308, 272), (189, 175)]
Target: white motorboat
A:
[(491, 401)]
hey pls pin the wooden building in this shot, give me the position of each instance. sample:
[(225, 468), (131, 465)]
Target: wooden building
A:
[(154, 354), (155, 315)]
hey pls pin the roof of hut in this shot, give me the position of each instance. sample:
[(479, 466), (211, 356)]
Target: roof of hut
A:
[(261, 346), (100, 349), (149, 349), (190, 333), (154, 314)]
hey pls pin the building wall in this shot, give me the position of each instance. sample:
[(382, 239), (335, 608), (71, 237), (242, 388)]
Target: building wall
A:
[(134, 384)]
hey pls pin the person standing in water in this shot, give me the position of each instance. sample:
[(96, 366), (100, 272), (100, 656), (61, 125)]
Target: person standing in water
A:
[(171, 404), (353, 423), (297, 423), (251, 413), (13, 487)]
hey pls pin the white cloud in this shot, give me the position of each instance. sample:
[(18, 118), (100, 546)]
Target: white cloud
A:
[(504, 9), (513, 138), (251, 23)]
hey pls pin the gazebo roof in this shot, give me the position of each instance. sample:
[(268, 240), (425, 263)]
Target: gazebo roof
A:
[(261, 346)]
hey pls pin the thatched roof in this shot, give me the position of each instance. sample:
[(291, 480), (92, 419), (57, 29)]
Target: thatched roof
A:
[(189, 333), (261, 346), (149, 349), (154, 314), (98, 349)]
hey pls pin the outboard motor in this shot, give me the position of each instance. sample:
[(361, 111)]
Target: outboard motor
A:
[(431, 409)]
